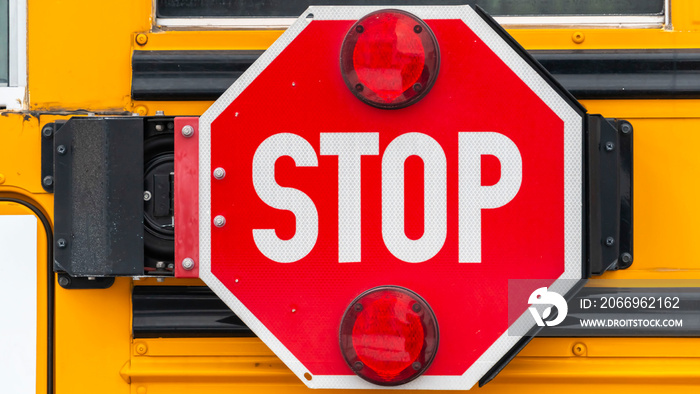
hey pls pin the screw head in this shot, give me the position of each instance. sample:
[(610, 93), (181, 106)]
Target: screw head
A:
[(188, 131), (219, 221), (187, 264), (61, 149), (61, 243), (48, 180), (610, 241), (147, 196), (47, 131), (609, 146), (160, 265), (626, 128), (416, 307), (416, 365), (358, 307), (64, 281), (141, 39), (141, 348), (626, 258), (358, 365), (579, 349), (219, 173)]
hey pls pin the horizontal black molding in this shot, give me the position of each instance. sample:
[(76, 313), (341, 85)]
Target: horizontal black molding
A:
[(191, 311), (183, 311), (587, 74), (186, 75)]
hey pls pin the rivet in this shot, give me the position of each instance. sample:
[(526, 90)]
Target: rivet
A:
[(416, 365), (579, 349), (358, 365), (417, 29), (358, 307), (219, 221), (416, 307), (147, 196), (64, 281), (626, 258), (47, 131), (360, 29), (141, 110), (141, 39), (141, 348), (48, 180), (188, 131), (187, 264), (578, 37), (626, 128), (219, 173)]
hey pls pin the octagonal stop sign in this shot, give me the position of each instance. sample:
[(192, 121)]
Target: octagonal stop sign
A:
[(309, 197)]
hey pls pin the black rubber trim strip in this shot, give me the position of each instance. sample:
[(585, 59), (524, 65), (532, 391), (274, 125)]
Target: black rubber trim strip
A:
[(50, 291), (586, 74), (187, 75), (183, 311)]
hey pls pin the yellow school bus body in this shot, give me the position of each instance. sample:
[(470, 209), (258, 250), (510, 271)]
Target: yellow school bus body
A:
[(79, 61)]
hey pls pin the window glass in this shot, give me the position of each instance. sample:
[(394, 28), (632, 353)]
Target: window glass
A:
[(4, 42), (294, 8)]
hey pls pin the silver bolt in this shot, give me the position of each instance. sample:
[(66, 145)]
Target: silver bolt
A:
[(91, 278), (135, 277), (609, 146), (187, 264), (160, 113), (188, 131), (219, 173), (160, 127), (61, 149), (160, 265), (147, 196), (160, 279), (48, 180), (219, 221), (626, 258), (626, 128)]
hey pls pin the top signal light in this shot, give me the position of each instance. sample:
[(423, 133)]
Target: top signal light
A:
[(390, 59)]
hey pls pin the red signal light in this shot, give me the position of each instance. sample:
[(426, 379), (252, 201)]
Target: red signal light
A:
[(390, 59), (389, 335)]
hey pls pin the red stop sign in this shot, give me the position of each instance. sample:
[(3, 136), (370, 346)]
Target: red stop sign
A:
[(325, 197)]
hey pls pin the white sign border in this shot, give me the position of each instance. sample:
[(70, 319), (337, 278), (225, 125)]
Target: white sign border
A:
[(573, 191)]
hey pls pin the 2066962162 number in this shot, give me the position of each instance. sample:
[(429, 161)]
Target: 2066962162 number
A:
[(640, 302)]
